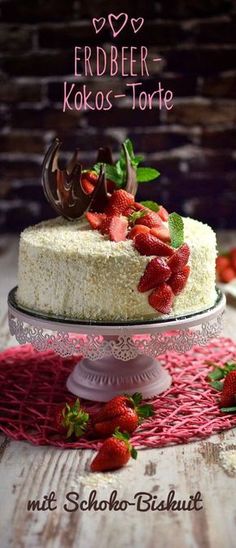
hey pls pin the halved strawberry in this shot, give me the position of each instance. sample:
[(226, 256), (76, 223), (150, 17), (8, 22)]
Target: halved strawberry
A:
[(116, 227), (179, 279), (156, 272), (180, 258), (138, 229), (95, 219), (162, 298), (151, 219), (163, 213), (162, 233), (147, 244), (119, 202)]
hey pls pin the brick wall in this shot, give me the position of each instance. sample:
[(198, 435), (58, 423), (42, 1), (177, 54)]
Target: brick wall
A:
[(193, 145)]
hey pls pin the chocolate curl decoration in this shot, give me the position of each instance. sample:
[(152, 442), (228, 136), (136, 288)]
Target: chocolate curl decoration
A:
[(131, 176), (63, 188)]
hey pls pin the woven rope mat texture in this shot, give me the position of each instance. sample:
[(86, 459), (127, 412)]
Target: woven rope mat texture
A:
[(33, 384)]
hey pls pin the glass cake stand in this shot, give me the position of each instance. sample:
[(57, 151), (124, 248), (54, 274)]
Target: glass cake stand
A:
[(117, 357)]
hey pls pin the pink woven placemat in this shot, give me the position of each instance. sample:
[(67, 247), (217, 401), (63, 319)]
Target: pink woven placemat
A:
[(32, 384)]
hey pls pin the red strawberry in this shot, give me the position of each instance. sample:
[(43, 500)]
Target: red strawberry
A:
[(146, 244), (156, 272), (222, 263), (151, 219), (124, 412), (71, 418), (163, 213), (227, 274), (233, 254), (119, 202), (116, 227), (180, 258), (89, 181), (179, 279), (95, 219), (138, 229), (162, 298), (228, 394), (114, 453), (162, 233)]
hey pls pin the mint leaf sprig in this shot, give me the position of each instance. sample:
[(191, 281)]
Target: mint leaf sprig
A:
[(117, 172), (176, 229)]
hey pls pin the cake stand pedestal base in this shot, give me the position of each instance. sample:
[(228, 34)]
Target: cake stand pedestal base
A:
[(101, 380)]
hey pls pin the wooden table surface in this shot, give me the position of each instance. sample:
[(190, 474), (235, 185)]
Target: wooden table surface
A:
[(28, 472)]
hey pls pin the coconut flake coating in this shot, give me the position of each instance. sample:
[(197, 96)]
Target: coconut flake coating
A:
[(68, 269)]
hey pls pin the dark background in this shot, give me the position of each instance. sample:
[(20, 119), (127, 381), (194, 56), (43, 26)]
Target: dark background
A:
[(193, 145)]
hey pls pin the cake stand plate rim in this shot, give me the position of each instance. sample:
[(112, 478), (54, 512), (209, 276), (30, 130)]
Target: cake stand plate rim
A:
[(72, 326)]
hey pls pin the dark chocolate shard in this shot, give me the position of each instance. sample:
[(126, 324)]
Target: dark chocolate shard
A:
[(63, 188), (104, 155), (131, 185)]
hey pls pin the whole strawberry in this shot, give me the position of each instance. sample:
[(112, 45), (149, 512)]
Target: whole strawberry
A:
[(114, 453), (71, 418), (119, 201), (124, 412), (228, 394)]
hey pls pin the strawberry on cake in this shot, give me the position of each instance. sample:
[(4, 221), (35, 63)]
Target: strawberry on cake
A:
[(113, 259)]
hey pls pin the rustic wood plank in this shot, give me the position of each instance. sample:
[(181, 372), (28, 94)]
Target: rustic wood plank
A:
[(28, 472)]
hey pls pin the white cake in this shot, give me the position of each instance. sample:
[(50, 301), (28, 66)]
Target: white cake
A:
[(68, 269)]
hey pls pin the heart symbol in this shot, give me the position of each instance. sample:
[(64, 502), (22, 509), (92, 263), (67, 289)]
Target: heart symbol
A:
[(137, 23), (123, 17), (98, 24)]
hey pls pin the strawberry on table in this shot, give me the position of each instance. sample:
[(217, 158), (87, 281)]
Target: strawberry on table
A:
[(228, 394), (180, 258), (222, 262), (162, 298), (227, 274), (179, 279), (114, 453), (147, 244), (125, 412), (156, 272), (71, 418)]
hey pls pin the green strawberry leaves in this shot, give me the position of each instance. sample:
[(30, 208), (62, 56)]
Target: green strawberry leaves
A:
[(117, 172), (176, 229), (217, 385), (124, 436), (74, 419), (143, 411), (133, 217), (220, 373), (228, 409)]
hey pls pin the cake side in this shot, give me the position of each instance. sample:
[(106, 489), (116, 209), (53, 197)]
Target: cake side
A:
[(66, 268)]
